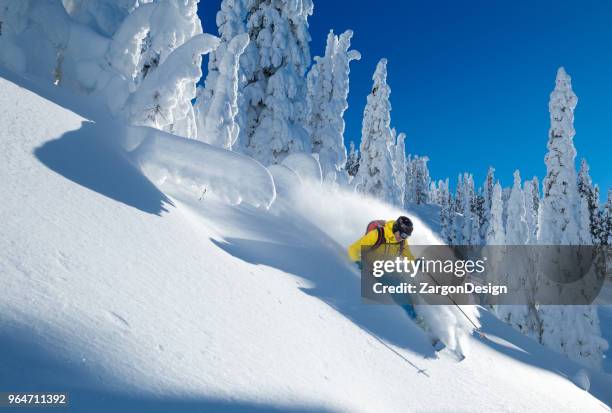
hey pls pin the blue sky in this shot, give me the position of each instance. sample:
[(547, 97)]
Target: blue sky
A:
[(470, 80)]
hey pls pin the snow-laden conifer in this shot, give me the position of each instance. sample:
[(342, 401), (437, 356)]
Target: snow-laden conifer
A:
[(532, 203), (495, 232), (352, 162), (328, 87), (399, 169), (273, 85), (216, 117), (570, 330), (375, 174)]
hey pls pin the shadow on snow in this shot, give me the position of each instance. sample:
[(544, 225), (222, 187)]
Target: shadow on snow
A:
[(88, 156), (27, 364), (301, 249)]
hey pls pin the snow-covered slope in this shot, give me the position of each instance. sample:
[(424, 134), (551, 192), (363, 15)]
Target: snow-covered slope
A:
[(134, 299)]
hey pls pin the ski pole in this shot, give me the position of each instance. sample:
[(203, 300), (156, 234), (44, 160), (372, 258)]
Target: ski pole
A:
[(397, 353), (481, 334)]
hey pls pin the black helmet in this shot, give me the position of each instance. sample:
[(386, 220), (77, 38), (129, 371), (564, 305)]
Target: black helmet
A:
[(404, 226)]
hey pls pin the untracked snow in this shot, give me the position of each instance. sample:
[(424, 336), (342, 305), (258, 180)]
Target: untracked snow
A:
[(136, 297)]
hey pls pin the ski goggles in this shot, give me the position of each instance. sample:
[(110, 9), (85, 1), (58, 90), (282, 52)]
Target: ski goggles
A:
[(405, 232)]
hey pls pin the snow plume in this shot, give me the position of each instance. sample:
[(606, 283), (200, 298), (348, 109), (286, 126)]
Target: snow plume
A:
[(375, 175), (328, 87), (216, 116), (343, 215), (451, 324)]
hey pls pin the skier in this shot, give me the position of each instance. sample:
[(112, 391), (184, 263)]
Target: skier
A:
[(392, 237), (389, 238)]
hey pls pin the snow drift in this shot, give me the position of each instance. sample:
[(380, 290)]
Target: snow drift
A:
[(199, 167)]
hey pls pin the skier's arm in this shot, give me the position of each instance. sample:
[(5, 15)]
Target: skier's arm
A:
[(369, 239)]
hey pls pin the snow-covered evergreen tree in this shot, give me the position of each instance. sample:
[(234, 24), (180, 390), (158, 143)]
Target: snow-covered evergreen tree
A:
[(487, 190), (516, 268), (557, 220), (442, 191), (495, 231), (495, 239), (468, 200), (163, 99), (606, 221), (399, 169), (433, 193), (158, 49), (599, 225), (142, 58), (418, 180), (510, 265), (517, 230), (479, 218), (375, 175), (585, 236), (216, 116), (488, 187), (571, 330), (409, 193), (272, 93), (532, 203), (446, 218), (458, 204), (352, 162), (321, 116), (328, 87), (231, 23), (589, 194), (505, 198)]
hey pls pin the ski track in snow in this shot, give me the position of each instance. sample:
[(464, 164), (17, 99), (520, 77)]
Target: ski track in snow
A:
[(138, 298)]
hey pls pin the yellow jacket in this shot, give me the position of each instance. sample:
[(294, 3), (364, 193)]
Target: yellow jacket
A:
[(389, 246)]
